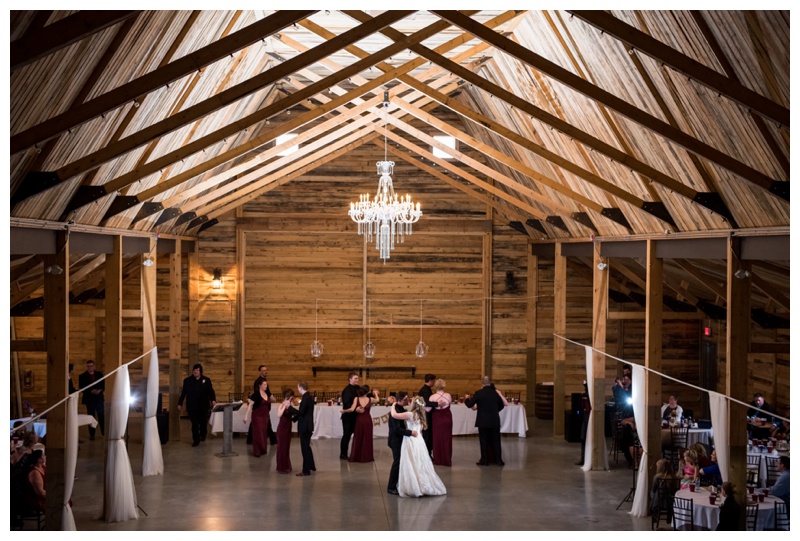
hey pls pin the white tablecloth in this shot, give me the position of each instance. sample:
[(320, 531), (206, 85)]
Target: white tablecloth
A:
[(328, 424), (762, 470), (40, 426), (707, 515)]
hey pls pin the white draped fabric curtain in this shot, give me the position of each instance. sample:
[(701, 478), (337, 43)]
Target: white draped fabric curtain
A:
[(589, 445), (719, 420), (70, 461), (152, 461), (639, 507), (120, 493)]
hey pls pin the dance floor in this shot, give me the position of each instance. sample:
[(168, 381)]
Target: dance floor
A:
[(538, 489)]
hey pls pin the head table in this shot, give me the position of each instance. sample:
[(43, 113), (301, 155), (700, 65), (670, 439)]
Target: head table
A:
[(707, 515), (40, 425), (328, 424)]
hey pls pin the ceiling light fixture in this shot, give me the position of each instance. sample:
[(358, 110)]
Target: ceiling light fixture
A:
[(316, 345), (741, 274), (369, 347), (602, 265), (386, 216), (422, 347), (55, 270)]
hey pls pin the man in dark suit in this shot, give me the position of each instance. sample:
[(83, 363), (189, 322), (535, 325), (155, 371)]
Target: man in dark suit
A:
[(425, 392), (489, 405), (397, 430), (349, 394), (200, 397), (94, 396), (262, 376), (305, 428)]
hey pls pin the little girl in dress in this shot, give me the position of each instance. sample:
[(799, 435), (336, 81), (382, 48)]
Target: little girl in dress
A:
[(689, 468)]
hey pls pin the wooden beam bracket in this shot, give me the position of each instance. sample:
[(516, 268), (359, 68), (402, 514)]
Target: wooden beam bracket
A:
[(185, 217), (121, 203), (583, 219), (558, 222), (659, 210), (519, 227), (198, 221), (615, 214), (35, 182), (537, 225), (83, 196), (209, 223), (167, 215), (780, 188), (713, 202), (148, 209)]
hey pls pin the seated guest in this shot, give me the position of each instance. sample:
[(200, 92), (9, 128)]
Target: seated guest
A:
[(781, 428), (781, 487), (672, 405), (702, 457), (36, 493), (730, 511), (764, 412), (688, 468), (710, 473), (664, 474)]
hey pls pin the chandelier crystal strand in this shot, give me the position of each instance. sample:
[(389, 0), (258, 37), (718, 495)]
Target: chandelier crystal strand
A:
[(316, 345), (422, 347), (386, 216)]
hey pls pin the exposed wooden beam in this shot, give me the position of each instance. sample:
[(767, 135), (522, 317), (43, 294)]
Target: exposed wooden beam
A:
[(28, 345), (726, 86), (155, 79), (638, 315), (780, 348), (60, 34), (713, 286), (770, 291), (595, 93), (653, 343), (600, 281)]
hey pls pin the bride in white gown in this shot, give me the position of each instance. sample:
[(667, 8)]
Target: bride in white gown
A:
[(417, 476)]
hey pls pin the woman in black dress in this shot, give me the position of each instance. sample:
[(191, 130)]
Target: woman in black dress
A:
[(729, 512), (284, 433), (258, 406)]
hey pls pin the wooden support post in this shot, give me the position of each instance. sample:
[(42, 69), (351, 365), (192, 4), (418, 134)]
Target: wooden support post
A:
[(652, 357), (559, 346), (113, 353), (148, 288), (194, 310), (175, 341), (738, 344), (599, 322), (530, 357), (56, 332)]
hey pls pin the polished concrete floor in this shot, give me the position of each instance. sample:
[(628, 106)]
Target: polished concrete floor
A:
[(539, 488)]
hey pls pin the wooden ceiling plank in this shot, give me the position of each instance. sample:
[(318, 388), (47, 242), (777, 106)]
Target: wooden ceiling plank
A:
[(229, 96), (88, 86), (769, 290), (582, 68), (71, 29), (444, 164), (311, 90), (486, 170), (295, 122), (719, 54), (155, 79), (718, 289), (726, 86), (24, 268), (622, 107)]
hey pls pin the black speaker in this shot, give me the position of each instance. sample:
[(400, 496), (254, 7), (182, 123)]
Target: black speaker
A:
[(576, 403), (572, 426)]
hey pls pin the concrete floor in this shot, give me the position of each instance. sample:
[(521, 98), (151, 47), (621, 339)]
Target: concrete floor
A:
[(539, 489)]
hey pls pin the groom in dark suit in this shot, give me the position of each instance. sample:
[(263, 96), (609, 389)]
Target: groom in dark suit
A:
[(397, 430), (488, 421), (305, 428)]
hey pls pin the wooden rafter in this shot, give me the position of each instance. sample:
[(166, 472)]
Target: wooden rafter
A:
[(665, 54), (155, 79), (60, 34), (597, 94)]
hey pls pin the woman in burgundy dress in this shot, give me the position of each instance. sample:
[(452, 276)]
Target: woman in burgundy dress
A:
[(361, 450), (258, 406), (284, 433), (442, 425)]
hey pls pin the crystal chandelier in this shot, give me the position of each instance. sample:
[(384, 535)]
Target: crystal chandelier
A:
[(385, 216)]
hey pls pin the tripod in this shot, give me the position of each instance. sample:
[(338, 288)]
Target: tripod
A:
[(636, 460)]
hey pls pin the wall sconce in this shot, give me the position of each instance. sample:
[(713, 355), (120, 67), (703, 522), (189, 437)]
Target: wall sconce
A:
[(216, 282), (54, 270), (602, 265)]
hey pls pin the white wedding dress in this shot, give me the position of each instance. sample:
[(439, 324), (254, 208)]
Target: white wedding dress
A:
[(417, 476)]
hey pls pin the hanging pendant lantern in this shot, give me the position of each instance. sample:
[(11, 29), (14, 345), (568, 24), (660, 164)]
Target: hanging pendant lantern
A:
[(316, 345), (422, 347)]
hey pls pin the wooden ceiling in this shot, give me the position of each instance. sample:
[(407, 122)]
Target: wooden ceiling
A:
[(586, 123)]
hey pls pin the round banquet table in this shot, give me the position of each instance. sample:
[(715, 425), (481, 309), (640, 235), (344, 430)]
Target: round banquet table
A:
[(328, 424), (707, 515)]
